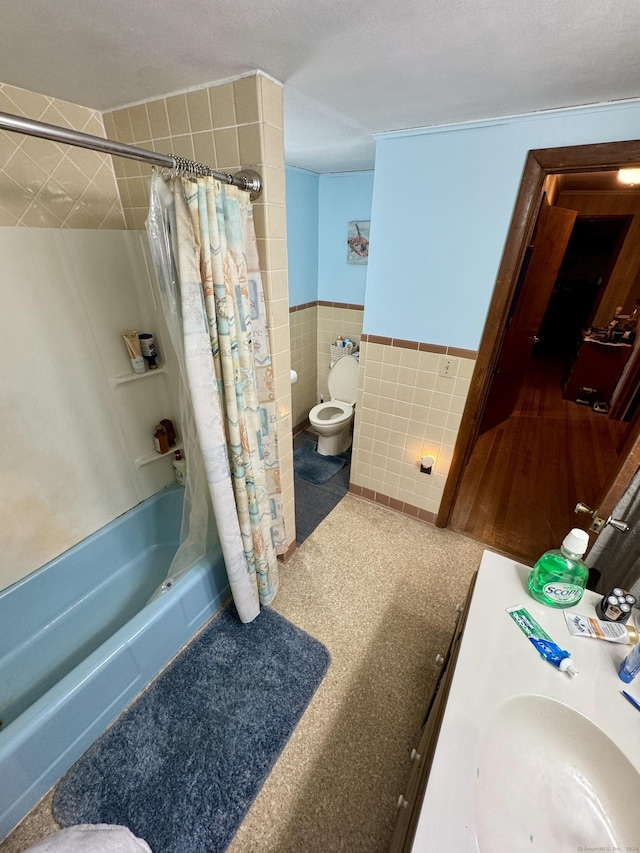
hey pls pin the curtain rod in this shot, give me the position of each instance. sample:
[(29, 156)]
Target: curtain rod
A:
[(246, 180)]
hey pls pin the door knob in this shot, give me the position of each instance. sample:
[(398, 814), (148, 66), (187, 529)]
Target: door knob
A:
[(598, 524), (583, 508), (617, 524)]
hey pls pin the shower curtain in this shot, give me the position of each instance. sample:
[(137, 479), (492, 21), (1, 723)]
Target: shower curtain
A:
[(615, 555), (205, 255)]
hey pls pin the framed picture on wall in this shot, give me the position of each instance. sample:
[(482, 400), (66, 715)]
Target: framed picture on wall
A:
[(358, 242)]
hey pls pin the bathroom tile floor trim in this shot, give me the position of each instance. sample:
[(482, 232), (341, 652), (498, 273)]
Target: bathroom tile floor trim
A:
[(393, 503)]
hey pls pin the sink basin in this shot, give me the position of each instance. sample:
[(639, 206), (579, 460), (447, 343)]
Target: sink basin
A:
[(549, 780)]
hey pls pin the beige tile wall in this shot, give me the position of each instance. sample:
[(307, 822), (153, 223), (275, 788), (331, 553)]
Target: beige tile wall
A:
[(227, 126), (304, 333), (48, 184), (333, 321), (406, 410)]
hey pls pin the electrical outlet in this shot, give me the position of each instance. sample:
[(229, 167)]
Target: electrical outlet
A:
[(448, 366)]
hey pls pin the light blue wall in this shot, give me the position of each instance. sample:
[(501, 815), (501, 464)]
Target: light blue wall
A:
[(343, 198), (302, 196), (442, 205)]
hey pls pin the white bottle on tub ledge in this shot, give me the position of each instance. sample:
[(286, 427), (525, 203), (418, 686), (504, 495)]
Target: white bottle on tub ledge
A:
[(180, 467)]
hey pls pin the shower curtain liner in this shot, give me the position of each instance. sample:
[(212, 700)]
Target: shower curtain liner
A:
[(205, 256), (616, 555)]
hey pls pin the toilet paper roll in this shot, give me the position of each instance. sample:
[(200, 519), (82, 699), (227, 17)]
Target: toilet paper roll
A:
[(294, 377)]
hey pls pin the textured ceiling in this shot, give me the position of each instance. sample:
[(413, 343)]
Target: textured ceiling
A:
[(350, 69)]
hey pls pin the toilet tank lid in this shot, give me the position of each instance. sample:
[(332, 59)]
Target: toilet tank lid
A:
[(343, 380)]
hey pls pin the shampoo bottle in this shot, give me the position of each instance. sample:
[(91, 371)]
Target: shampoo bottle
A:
[(180, 467), (559, 577)]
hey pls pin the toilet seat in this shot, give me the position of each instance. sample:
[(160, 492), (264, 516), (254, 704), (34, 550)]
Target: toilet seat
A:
[(333, 412)]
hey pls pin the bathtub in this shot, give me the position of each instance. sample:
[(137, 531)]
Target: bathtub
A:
[(77, 642)]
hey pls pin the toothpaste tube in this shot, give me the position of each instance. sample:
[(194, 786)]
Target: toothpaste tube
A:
[(587, 626), (543, 643)]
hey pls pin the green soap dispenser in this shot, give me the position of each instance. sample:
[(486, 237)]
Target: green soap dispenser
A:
[(559, 577)]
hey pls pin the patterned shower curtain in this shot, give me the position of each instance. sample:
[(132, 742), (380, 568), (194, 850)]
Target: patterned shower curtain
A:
[(229, 375)]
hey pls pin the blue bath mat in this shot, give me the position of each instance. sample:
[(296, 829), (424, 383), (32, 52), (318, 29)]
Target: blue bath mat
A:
[(181, 767), (311, 466)]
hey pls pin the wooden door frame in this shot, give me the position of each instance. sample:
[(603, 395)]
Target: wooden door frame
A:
[(539, 165), (553, 228)]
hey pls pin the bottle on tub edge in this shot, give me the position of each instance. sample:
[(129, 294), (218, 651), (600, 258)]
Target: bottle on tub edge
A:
[(559, 577), (180, 467)]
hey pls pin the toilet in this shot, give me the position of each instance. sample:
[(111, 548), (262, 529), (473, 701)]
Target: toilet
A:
[(332, 420)]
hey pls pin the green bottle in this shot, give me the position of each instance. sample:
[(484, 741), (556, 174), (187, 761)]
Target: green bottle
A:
[(559, 577)]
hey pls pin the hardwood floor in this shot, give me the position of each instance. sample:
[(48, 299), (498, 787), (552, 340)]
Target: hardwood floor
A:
[(526, 475)]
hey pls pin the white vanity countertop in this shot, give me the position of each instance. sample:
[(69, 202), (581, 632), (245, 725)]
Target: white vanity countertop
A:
[(496, 663)]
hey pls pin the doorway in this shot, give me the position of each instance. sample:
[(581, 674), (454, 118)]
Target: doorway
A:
[(506, 499), (597, 474), (591, 254)]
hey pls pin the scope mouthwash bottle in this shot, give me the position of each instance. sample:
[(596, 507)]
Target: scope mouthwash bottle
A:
[(559, 577)]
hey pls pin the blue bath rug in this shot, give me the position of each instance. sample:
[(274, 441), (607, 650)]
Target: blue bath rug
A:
[(311, 466), (181, 767)]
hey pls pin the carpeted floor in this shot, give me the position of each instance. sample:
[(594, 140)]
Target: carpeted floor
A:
[(379, 590)]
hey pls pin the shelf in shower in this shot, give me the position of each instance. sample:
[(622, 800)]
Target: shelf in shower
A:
[(124, 378), (141, 461)]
